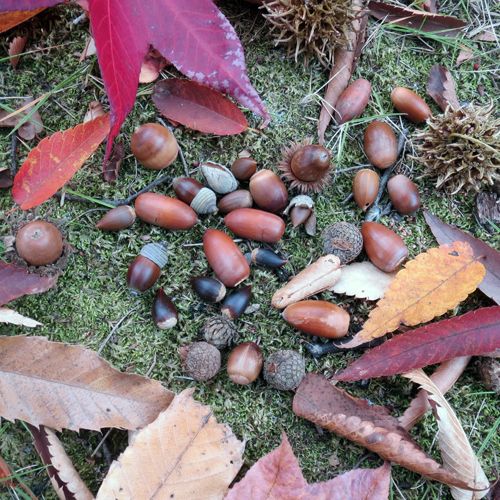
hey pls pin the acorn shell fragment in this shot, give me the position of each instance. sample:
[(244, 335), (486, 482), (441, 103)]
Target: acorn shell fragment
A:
[(218, 177)]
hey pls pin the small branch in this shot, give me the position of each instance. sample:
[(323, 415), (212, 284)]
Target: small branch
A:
[(13, 155)]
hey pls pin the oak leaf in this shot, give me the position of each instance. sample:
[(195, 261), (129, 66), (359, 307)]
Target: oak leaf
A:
[(368, 425), (55, 160), (428, 286), (184, 453), (65, 386), (471, 334), (278, 476)]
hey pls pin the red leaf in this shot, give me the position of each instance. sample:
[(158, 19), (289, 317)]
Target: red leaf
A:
[(472, 334), (55, 160), (198, 107), (441, 87), (489, 257), (277, 476), (16, 282)]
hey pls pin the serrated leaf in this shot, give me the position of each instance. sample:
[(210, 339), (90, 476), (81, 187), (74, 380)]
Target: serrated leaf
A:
[(198, 107), (184, 453), (65, 386), (428, 286), (55, 160), (363, 280), (277, 476), (472, 334), (368, 425)]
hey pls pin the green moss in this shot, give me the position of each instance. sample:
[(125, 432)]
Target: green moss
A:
[(91, 295)]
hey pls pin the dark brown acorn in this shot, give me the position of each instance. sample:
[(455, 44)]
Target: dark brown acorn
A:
[(209, 289), (146, 268), (353, 101), (384, 247), (253, 224), (117, 218), (245, 363), (408, 102), (365, 188), (164, 311), (266, 258), (236, 302), (39, 243), (244, 167), (306, 166), (380, 144), (268, 191), (403, 194), (154, 146), (284, 370), (200, 360), (241, 198)]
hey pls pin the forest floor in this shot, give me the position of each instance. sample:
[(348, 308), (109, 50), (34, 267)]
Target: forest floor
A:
[(91, 297)]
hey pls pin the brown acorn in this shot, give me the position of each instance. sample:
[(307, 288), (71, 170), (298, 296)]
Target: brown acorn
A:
[(117, 218), (365, 188), (145, 269), (241, 198), (236, 302), (268, 191), (408, 102), (245, 363), (164, 311), (306, 166), (163, 211), (219, 331), (200, 360), (318, 317), (284, 370), (257, 225), (154, 146), (244, 167), (403, 194), (225, 258), (209, 289), (353, 101), (384, 247), (380, 144), (39, 243)]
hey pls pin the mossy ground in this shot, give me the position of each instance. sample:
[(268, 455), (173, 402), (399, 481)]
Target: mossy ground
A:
[(91, 295)]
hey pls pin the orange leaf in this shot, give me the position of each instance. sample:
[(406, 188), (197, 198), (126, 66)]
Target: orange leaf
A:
[(10, 19), (429, 285), (55, 160)]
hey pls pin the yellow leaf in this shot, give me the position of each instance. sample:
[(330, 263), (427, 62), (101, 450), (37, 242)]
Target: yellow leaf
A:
[(429, 285)]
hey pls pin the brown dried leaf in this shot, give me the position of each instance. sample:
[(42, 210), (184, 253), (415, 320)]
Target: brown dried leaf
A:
[(66, 386), (29, 129), (10, 316), (94, 110), (151, 67), (486, 36), (487, 210), (112, 166), (441, 87), (184, 453), (368, 425), (464, 55), (65, 480), (16, 47), (89, 49)]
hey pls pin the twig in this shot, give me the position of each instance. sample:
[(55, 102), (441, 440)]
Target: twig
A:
[(13, 155), (184, 163), (101, 442), (114, 329)]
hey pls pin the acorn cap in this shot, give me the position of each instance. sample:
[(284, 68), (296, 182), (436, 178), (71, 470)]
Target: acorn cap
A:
[(200, 360), (344, 240), (284, 370), (219, 331), (156, 252)]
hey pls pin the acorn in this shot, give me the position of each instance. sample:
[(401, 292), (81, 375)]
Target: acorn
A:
[(209, 289), (306, 166), (245, 363), (403, 194), (380, 144), (225, 258), (39, 243), (284, 370), (268, 191), (163, 211), (266, 258), (236, 302), (200, 198), (219, 331), (353, 101), (218, 177), (117, 218), (200, 360), (146, 268), (244, 167), (384, 247), (164, 311), (318, 317), (300, 210), (365, 188), (241, 198), (344, 240), (257, 225), (408, 102), (154, 146)]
